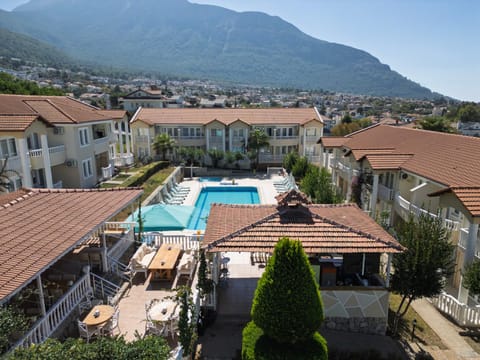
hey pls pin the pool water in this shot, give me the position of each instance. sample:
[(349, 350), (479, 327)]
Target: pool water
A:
[(211, 179), (222, 195)]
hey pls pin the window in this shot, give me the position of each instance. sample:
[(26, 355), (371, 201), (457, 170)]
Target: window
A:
[(87, 168), (83, 136), (8, 147), (215, 132), (311, 131)]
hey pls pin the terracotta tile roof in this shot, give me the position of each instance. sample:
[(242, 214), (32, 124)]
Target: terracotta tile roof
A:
[(321, 228), (40, 226), (358, 154), (451, 160), (227, 116), (54, 109), (330, 142), (17, 122), (469, 196), (113, 114), (387, 161)]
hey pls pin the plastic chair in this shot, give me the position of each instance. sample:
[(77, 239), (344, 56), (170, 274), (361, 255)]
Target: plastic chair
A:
[(85, 332), (112, 324), (155, 327)]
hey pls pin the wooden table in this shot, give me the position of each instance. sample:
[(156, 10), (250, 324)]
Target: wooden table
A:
[(105, 314), (163, 263)]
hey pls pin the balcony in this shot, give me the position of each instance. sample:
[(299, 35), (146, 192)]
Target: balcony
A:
[(57, 157), (316, 159), (123, 160), (311, 139), (405, 207), (107, 172), (101, 144), (142, 139), (265, 158)]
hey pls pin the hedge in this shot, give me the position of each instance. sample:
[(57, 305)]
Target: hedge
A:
[(149, 170)]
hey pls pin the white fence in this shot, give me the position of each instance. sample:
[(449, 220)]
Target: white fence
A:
[(45, 327), (462, 314), (185, 241)]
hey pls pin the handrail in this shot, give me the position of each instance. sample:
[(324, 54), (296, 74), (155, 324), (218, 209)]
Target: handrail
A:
[(103, 287), (45, 326), (462, 314)]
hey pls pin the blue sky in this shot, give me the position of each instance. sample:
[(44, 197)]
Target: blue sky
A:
[(433, 42)]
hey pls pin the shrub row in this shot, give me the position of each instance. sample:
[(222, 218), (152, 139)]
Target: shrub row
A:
[(141, 177)]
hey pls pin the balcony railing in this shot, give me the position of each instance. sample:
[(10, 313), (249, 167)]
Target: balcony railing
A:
[(406, 207), (264, 158), (13, 163), (185, 241), (107, 172), (317, 159), (123, 160), (311, 138), (101, 140), (58, 185), (141, 138), (47, 325), (462, 314), (57, 156)]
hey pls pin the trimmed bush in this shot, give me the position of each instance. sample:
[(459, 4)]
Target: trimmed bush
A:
[(140, 178), (287, 305), (257, 346)]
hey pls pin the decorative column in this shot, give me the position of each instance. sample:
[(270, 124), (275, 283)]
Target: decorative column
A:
[(363, 264), (120, 138), (223, 138), (40, 295), (373, 197), (46, 161), (468, 258), (127, 136), (389, 266), (304, 140), (25, 160)]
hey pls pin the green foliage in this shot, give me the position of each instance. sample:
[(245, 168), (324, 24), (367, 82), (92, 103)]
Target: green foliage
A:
[(12, 323), (436, 123), (142, 176), (229, 157), (347, 119), (287, 305), (187, 336), (348, 128), (471, 278), (469, 112), (300, 168), (204, 284), (257, 140), (317, 183), (257, 346), (216, 155), (289, 160), (421, 269), (162, 143), (12, 85), (140, 222), (105, 348)]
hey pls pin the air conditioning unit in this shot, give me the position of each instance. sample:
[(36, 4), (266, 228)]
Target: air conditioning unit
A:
[(71, 163), (58, 130), (404, 176)]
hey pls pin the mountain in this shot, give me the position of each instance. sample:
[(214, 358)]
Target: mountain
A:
[(203, 41), (16, 45)]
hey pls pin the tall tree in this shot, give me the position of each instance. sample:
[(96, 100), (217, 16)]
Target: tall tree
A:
[(289, 160), (162, 143), (420, 270), (317, 184), (257, 140), (436, 123), (471, 278)]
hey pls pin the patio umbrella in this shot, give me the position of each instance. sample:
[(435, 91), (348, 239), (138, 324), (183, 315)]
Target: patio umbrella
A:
[(163, 217)]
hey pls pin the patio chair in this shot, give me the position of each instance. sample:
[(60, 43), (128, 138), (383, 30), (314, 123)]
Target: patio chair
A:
[(112, 324), (172, 329), (155, 327), (85, 332)]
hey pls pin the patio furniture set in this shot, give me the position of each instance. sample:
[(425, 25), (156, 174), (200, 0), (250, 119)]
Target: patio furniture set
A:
[(162, 317), (101, 319), (177, 195)]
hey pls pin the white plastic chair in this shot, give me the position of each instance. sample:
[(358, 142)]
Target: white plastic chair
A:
[(86, 332), (155, 327), (112, 324)]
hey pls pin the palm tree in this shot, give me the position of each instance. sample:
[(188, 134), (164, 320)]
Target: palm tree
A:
[(5, 184), (258, 139), (163, 143)]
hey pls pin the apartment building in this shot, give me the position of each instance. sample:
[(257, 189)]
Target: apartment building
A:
[(149, 98), (55, 142), (228, 130), (393, 171)]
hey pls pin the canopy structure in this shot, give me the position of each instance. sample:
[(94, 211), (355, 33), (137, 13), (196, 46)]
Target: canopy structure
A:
[(164, 217)]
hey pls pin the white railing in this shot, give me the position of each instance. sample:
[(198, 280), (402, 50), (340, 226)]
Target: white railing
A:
[(123, 160), (58, 185), (107, 172), (118, 226), (451, 225), (51, 150), (13, 163), (462, 314), (119, 248), (317, 159), (311, 138), (271, 158), (186, 241), (45, 327), (385, 193), (463, 239), (103, 288), (141, 138), (101, 140)]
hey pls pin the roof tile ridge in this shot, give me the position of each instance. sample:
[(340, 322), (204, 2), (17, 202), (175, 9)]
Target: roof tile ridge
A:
[(61, 111), (360, 232), (362, 130), (242, 230), (19, 199), (73, 190)]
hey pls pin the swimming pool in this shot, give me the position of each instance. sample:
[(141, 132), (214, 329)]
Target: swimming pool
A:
[(223, 195), (212, 179)]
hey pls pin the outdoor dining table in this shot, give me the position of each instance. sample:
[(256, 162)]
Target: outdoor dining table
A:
[(163, 263), (105, 313), (162, 311)]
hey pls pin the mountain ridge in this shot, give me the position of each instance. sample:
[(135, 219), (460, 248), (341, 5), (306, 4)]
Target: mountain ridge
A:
[(204, 41)]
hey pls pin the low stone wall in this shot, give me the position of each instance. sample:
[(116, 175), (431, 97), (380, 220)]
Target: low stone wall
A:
[(363, 310), (157, 195)]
